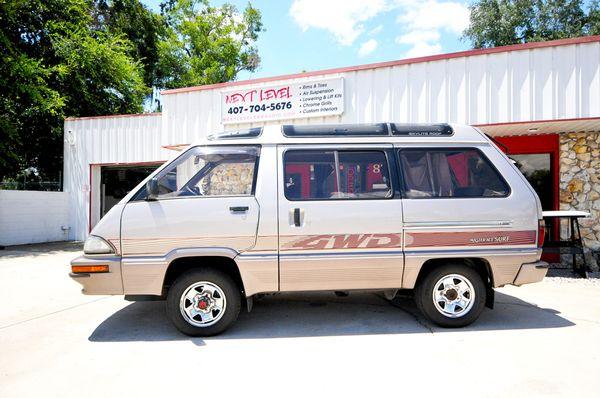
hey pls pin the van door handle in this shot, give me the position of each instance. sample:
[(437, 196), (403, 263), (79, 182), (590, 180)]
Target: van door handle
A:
[(239, 209), (297, 217)]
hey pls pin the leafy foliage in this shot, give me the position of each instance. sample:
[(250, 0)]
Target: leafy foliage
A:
[(139, 25), (63, 58), (205, 44), (56, 65), (504, 22)]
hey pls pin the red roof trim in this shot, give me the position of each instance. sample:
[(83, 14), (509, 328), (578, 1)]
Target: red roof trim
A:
[(430, 58), (113, 116)]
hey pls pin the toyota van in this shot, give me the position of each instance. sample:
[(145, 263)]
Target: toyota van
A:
[(437, 210)]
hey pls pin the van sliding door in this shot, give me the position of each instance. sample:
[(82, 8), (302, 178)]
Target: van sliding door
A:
[(340, 218)]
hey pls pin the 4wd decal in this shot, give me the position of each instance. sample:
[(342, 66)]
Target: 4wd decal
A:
[(345, 241)]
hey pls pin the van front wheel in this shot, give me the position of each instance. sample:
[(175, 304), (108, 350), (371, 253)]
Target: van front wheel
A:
[(203, 302), (451, 296)]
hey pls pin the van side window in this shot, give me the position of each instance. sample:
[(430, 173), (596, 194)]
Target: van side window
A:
[(449, 173), (210, 171), (332, 174)]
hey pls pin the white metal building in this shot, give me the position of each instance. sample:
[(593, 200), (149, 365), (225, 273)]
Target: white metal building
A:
[(542, 98)]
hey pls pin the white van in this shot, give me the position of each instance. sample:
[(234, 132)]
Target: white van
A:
[(437, 209)]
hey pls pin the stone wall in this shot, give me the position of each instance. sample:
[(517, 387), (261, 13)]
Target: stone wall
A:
[(230, 179), (580, 183)]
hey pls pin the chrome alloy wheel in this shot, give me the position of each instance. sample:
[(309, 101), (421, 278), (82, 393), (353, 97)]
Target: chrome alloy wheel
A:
[(453, 296), (203, 304)]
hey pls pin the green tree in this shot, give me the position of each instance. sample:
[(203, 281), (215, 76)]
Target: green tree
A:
[(54, 65), (64, 58), (142, 27), (504, 22), (204, 44)]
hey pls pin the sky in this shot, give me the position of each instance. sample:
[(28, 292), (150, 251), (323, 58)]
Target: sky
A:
[(308, 35)]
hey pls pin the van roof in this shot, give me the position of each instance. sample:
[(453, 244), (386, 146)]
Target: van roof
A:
[(349, 133)]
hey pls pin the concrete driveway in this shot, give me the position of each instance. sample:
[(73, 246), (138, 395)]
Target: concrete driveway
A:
[(540, 340)]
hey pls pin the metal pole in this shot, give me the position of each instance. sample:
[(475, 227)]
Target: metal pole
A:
[(337, 172)]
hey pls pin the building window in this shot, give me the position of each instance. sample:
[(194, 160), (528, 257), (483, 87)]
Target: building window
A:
[(210, 171), (333, 174), (449, 173)]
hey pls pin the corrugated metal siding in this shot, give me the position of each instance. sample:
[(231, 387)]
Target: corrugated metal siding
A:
[(132, 139), (535, 84)]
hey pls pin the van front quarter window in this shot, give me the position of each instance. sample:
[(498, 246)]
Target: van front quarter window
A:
[(210, 171)]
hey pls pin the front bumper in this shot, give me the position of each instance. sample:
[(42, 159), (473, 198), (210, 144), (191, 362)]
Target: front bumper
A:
[(99, 283), (531, 273)]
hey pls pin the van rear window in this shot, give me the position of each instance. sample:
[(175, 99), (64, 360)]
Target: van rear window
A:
[(449, 173), (332, 174)]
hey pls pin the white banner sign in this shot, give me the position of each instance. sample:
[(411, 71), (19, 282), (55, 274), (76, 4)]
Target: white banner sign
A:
[(288, 101)]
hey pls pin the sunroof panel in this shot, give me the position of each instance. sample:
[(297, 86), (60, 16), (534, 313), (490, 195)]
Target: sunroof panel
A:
[(421, 130), (329, 130)]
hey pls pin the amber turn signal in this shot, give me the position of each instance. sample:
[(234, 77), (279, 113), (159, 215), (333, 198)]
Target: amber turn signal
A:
[(89, 269)]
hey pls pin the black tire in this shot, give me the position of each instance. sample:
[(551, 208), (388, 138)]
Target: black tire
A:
[(221, 280), (425, 302)]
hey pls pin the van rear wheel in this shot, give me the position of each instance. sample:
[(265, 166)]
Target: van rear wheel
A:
[(451, 296), (203, 302)]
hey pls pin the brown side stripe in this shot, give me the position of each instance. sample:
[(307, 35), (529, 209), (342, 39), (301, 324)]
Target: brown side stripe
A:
[(488, 238)]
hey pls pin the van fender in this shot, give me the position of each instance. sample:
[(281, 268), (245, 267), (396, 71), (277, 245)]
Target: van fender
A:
[(146, 274), (258, 273)]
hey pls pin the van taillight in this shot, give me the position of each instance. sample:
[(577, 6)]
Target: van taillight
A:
[(541, 233)]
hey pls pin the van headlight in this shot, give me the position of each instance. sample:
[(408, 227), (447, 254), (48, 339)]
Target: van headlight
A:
[(97, 245)]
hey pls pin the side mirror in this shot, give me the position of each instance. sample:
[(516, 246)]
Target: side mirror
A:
[(152, 189)]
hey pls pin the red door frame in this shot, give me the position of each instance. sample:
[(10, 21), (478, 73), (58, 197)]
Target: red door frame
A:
[(534, 144)]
